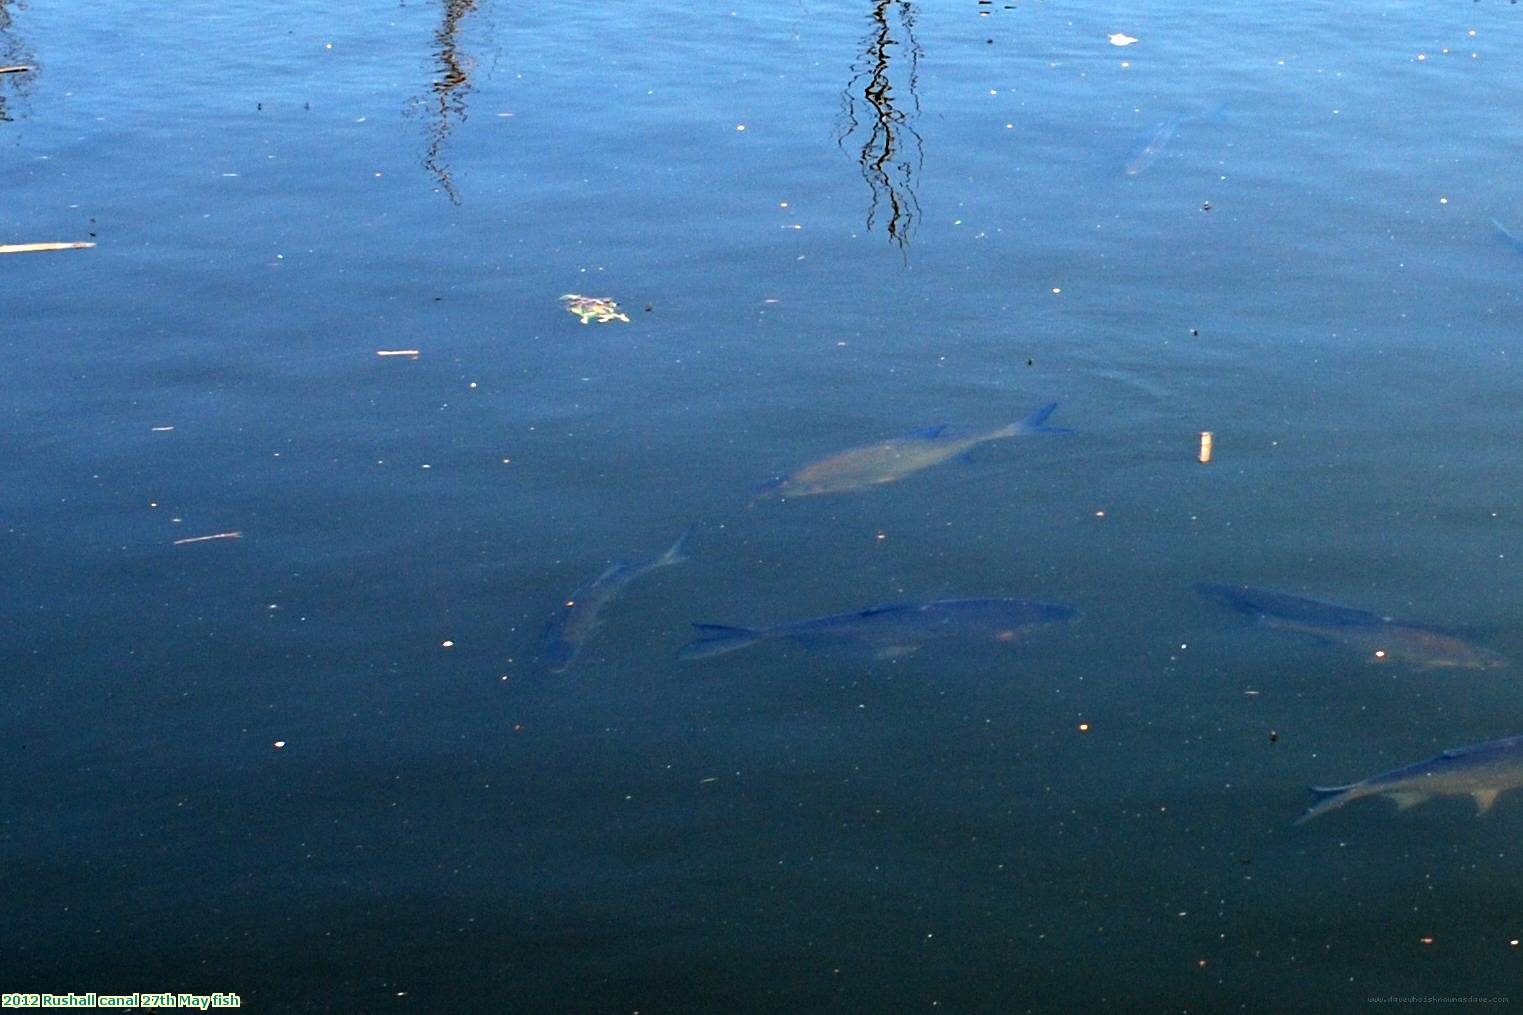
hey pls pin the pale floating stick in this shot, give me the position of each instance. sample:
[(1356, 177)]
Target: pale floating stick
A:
[(18, 69), (1205, 446), (33, 248), (397, 352), (202, 539), (162, 429)]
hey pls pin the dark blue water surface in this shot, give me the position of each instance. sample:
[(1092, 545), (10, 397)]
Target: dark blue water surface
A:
[(322, 765)]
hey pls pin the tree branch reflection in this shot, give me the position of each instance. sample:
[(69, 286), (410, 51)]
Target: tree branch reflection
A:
[(450, 89), (892, 150)]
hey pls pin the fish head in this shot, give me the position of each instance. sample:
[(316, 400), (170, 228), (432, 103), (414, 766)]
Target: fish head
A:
[(1492, 660), (1436, 650), (1473, 657)]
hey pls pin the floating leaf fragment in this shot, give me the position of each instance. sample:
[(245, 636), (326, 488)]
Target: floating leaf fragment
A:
[(1117, 39), (594, 308)]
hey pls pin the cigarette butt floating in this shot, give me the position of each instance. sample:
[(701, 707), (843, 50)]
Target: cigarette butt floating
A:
[(34, 248), (1205, 446), (202, 539), (397, 352)]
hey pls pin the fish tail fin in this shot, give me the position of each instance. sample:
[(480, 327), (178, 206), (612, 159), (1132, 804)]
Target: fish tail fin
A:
[(717, 639), (771, 488), (1328, 798), (1037, 423), (678, 552), (1508, 235)]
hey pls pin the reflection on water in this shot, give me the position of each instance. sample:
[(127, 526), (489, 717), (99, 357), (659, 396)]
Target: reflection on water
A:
[(892, 151), (450, 90), (13, 53)]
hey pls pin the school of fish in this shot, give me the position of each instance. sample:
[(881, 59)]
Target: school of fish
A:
[(890, 631)]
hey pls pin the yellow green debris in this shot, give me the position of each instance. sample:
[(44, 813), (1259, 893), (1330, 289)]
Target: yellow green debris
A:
[(594, 308)]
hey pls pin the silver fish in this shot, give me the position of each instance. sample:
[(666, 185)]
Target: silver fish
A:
[(578, 615), (891, 630), (1480, 771), (1380, 639), (892, 460), (1151, 143)]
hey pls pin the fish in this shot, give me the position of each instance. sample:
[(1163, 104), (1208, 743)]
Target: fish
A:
[(1381, 639), (892, 629), (891, 460), (1480, 771), (579, 615), (1151, 143)]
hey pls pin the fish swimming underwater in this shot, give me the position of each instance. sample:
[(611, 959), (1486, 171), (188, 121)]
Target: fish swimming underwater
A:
[(1482, 771), (893, 629), (578, 615), (891, 460), (1381, 639), (1151, 143)]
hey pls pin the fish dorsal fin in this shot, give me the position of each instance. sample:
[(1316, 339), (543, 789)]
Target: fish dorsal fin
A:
[(1406, 799), (1323, 792), (928, 433), (1484, 798)]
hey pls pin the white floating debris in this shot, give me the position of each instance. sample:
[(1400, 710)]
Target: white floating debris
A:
[(1117, 39), (162, 429), (414, 353), (33, 248), (202, 539)]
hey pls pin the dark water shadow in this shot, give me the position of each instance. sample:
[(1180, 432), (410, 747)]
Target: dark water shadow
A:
[(892, 151), (13, 53)]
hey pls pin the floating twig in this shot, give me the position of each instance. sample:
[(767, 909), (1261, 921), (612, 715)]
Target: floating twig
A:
[(32, 248), (18, 69), (202, 539), (397, 352)]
